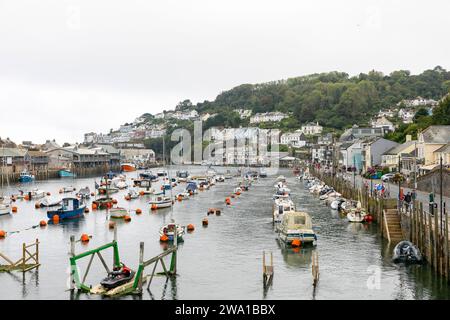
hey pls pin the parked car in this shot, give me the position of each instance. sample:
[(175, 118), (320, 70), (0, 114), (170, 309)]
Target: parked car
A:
[(386, 177)]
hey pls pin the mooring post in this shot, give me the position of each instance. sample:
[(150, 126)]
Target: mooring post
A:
[(141, 264), (72, 266), (37, 251)]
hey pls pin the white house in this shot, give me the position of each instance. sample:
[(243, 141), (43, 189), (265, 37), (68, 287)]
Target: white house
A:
[(312, 128), (406, 115), (294, 139), (384, 123), (267, 117)]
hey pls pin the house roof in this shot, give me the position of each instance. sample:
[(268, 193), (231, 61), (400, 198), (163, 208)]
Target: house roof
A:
[(12, 152), (436, 134), (444, 149), (400, 148)]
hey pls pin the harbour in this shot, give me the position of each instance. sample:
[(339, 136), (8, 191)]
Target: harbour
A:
[(223, 260)]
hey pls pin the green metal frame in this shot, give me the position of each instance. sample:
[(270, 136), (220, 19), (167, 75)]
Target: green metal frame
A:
[(73, 262)]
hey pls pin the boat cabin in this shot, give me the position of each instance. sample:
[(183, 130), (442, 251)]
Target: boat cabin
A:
[(70, 204)]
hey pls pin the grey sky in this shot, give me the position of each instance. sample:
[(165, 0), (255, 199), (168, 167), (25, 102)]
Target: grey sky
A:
[(72, 66)]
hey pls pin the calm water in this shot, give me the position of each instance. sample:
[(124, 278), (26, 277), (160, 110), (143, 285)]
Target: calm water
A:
[(222, 261)]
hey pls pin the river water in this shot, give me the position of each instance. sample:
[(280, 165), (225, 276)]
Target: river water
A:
[(221, 261)]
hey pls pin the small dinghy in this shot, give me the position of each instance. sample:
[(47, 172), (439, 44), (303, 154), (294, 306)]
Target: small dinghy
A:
[(406, 252), (118, 213), (117, 277), (132, 194), (159, 202), (356, 215), (336, 204), (84, 193), (169, 231)]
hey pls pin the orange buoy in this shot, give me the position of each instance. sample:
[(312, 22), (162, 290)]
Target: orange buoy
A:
[(86, 210), (238, 193), (43, 223), (94, 206), (2, 234), (191, 193), (205, 222), (49, 194), (164, 238), (26, 197), (218, 212), (14, 209), (127, 218), (37, 205), (142, 193), (128, 198), (109, 205), (84, 238), (154, 206), (55, 219), (114, 201), (210, 211), (180, 198), (60, 190), (228, 201), (138, 211), (190, 227), (296, 243), (112, 225)]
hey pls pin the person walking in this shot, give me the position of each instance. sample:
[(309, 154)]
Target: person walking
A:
[(408, 199)]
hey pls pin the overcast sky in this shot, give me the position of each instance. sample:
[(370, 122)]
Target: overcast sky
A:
[(73, 66)]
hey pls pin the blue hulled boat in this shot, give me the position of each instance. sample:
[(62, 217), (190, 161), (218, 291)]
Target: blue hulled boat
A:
[(66, 174), (25, 176), (71, 208)]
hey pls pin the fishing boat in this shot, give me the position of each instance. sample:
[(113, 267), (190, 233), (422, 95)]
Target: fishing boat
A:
[(66, 173), (407, 252), (49, 202), (144, 186), (169, 231), (132, 194), (128, 167), (68, 189), (160, 202), (296, 226), (25, 176), (71, 208), (5, 207), (182, 176), (191, 188), (118, 213), (262, 173), (102, 203), (84, 193), (119, 183), (149, 176), (109, 189), (161, 173), (36, 194), (281, 206)]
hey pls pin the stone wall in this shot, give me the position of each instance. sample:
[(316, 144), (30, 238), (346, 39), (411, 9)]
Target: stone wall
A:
[(431, 182)]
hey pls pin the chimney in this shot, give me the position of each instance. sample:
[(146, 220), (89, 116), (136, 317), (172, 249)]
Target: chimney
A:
[(408, 138)]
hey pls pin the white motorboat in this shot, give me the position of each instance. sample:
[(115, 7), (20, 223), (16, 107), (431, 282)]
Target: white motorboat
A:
[(133, 194), (281, 206), (160, 201), (5, 207), (49, 202), (356, 216), (36, 194), (296, 226)]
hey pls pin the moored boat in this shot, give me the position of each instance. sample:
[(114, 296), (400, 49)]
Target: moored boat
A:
[(5, 207), (170, 230), (160, 202), (71, 208), (128, 167), (296, 226), (118, 213), (49, 202), (25, 176), (66, 173), (407, 252)]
